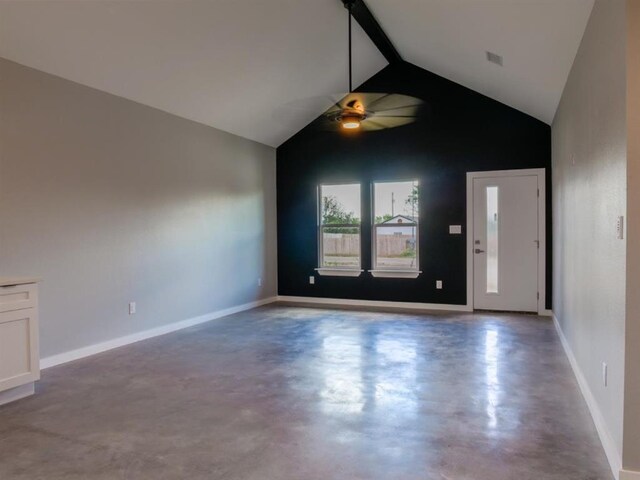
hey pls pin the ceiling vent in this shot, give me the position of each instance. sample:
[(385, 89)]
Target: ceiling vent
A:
[(494, 58)]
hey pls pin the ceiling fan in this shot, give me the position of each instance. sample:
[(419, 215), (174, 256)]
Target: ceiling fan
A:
[(369, 111)]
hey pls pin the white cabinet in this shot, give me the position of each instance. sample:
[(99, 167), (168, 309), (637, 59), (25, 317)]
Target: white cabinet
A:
[(19, 353)]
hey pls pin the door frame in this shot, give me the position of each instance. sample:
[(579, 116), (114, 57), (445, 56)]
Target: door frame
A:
[(542, 229)]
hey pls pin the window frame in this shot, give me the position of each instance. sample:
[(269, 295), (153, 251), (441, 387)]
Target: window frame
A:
[(337, 271), (391, 272)]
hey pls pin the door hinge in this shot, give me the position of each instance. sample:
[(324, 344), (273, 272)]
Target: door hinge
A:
[(537, 243), (538, 295), (538, 193)]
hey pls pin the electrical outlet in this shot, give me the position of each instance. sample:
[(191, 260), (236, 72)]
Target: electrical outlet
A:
[(312, 280), (439, 284), (605, 373), (132, 308), (259, 282)]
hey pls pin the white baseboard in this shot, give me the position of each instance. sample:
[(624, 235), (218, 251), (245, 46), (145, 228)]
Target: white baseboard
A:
[(16, 393), (374, 303), (546, 313), (614, 457), (629, 475), (154, 332)]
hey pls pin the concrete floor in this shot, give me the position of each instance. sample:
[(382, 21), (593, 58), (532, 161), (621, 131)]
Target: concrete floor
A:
[(293, 393)]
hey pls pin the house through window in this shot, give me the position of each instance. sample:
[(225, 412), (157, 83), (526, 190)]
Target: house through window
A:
[(395, 229), (339, 228)]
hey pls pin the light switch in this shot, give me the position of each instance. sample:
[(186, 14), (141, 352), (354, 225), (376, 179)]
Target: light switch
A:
[(312, 280), (439, 284), (455, 229), (620, 228)]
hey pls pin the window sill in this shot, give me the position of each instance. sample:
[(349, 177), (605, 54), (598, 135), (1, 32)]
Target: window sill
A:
[(339, 272), (395, 273)]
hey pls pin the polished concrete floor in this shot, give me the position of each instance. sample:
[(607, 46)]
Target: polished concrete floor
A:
[(294, 393)]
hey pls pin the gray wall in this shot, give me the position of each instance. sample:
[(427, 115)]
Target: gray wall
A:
[(589, 192), (111, 201), (631, 453)]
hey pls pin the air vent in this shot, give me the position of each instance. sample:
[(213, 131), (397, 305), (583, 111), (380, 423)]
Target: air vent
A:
[(494, 58)]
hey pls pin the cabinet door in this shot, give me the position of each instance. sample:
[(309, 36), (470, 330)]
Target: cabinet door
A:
[(19, 362)]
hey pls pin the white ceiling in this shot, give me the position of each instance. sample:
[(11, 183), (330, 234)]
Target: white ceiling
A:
[(538, 40), (233, 64), (230, 64)]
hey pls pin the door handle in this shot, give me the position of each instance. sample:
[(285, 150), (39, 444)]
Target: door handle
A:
[(477, 250)]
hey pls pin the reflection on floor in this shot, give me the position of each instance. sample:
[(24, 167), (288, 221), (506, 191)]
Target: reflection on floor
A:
[(295, 393)]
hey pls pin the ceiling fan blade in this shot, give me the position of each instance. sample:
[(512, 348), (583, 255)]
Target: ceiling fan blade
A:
[(371, 125), (383, 116), (400, 110), (372, 102), (364, 97), (393, 102), (391, 122), (380, 123), (332, 111)]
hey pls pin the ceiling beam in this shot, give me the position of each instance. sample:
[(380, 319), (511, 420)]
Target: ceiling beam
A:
[(372, 28)]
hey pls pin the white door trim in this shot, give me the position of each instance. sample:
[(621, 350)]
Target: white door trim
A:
[(542, 229)]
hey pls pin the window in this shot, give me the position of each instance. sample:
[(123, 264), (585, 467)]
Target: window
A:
[(395, 229), (339, 230), (492, 239)]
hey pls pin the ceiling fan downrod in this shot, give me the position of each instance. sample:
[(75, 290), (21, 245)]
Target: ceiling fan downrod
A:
[(348, 4)]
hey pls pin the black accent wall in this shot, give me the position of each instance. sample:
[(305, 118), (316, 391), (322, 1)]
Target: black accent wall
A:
[(463, 131)]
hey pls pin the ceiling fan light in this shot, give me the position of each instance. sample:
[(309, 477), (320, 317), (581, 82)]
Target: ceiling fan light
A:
[(350, 122)]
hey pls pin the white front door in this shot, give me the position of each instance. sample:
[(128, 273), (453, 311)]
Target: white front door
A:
[(505, 243)]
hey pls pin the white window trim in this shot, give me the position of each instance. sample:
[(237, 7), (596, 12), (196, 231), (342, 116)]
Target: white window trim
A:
[(395, 273), (390, 272), (337, 271)]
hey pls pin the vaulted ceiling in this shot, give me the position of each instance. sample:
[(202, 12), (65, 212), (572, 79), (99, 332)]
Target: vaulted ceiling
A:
[(538, 40), (243, 66)]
